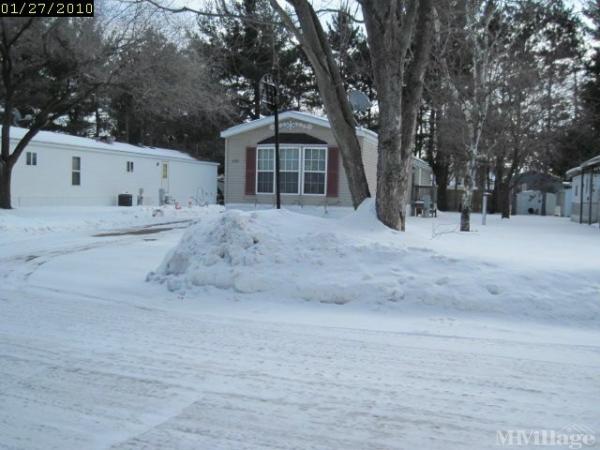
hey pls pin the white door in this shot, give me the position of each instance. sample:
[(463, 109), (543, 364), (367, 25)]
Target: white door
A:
[(164, 176)]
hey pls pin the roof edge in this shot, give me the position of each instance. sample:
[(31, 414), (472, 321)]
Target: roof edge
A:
[(590, 163), (299, 115), (179, 155)]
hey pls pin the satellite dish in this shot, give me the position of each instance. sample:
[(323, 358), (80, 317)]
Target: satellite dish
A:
[(359, 101)]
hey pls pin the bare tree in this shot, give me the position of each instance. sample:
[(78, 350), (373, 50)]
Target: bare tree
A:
[(471, 70), (399, 35), (400, 38), (313, 40), (48, 66), (161, 81)]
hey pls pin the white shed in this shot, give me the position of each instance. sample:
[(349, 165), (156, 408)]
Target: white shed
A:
[(59, 169)]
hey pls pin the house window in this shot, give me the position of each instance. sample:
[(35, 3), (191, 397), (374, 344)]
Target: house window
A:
[(165, 170), (288, 170), (130, 166), (314, 170), (265, 170), (31, 158), (76, 171)]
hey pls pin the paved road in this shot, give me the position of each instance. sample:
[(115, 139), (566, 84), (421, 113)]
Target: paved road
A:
[(91, 356)]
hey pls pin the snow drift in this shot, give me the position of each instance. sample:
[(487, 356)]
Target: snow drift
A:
[(283, 255)]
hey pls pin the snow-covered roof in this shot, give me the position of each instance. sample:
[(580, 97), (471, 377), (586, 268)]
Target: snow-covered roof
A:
[(297, 115), (305, 117), (593, 162), (66, 140)]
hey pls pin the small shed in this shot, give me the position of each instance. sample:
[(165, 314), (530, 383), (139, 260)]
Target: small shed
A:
[(311, 170), (538, 193)]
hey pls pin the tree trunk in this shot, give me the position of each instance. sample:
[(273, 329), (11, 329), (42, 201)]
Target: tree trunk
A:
[(5, 175), (399, 86), (256, 109), (465, 217), (314, 43), (5, 166), (98, 125), (467, 203), (438, 161), (393, 177), (442, 188), (505, 200), (466, 208)]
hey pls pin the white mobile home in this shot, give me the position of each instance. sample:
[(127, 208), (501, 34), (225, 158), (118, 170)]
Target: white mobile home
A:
[(58, 169), (586, 191), (311, 168)]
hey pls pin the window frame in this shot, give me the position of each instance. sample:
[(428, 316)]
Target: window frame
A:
[(258, 150), (301, 151), (129, 167), (316, 147), (31, 159), (298, 171), (74, 171)]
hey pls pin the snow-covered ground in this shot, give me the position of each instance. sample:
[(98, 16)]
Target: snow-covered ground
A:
[(284, 330), (52, 219), (529, 268)]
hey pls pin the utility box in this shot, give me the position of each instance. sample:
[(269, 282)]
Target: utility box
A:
[(125, 200)]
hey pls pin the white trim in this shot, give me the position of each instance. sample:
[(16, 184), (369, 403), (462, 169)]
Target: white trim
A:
[(296, 115), (74, 171), (316, 147), (258, 148), (299, 171), (301, 148)]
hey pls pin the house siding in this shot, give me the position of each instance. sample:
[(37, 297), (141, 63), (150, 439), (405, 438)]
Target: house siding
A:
[(369, 157), (104, 177)]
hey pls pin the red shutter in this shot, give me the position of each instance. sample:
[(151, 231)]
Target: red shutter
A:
[(333, 170), (250, 170)]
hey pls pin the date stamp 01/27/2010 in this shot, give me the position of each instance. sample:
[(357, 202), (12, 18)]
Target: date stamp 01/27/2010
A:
[(46, 8)]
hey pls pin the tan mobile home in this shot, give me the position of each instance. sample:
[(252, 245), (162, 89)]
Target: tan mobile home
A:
[(310, 167)]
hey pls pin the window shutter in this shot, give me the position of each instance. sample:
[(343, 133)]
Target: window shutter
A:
[(333, 170), (250, 170)]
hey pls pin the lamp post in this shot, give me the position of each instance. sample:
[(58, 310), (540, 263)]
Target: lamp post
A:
[(270, 97)]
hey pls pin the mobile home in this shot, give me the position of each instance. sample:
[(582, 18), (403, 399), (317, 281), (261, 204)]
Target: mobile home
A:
[(59, 169), (311, 170)]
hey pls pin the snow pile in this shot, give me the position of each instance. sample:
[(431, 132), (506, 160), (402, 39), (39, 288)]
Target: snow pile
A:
[(75, 218), (213, 252), (282, 255)]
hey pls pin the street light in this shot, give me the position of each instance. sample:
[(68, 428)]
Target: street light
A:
[(269, 95)]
